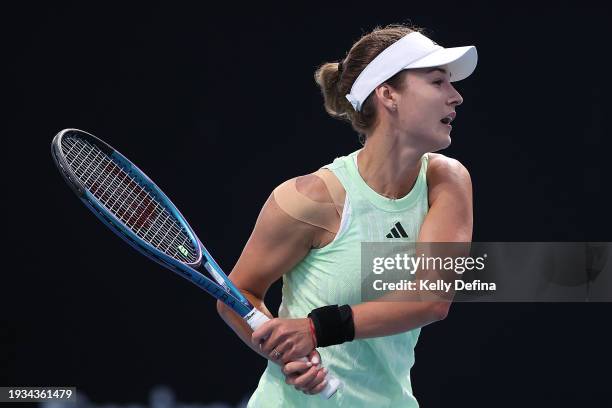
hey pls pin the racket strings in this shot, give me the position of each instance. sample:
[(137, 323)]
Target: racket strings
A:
[(120, 196), (123, 196)]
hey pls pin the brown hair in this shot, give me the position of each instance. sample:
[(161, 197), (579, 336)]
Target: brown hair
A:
[(335, 83)]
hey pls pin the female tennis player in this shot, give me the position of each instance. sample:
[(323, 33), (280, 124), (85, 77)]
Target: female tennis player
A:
[(395, 88)]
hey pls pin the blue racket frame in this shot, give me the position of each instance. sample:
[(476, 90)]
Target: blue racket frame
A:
[(225, 290)]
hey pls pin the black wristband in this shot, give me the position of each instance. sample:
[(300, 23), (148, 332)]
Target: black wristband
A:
[(333, 324)]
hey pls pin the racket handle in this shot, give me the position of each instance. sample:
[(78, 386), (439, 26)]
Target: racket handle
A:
[(255, 319)]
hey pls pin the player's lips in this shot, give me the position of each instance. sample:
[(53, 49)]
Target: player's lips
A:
[(449, 118)]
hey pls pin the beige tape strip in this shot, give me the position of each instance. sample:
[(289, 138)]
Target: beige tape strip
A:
[(302, 208), (335, 188)]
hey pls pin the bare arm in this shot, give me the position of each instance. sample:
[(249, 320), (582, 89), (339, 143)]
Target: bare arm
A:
[(277, 243), (449, 219)]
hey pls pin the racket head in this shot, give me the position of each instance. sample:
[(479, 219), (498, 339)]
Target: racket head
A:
[(125, 199)]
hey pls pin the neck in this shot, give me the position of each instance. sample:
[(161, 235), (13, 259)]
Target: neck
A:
[(389, 166)]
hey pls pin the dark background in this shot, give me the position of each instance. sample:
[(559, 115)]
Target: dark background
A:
[(218, 105)]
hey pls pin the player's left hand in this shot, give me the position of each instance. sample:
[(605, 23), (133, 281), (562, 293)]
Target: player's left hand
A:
[(309, 377), (284, 340)]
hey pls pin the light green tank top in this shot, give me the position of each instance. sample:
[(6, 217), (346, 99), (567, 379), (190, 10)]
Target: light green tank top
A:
[(375, 372)]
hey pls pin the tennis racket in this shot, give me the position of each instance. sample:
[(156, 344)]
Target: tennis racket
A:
[(135, 209)]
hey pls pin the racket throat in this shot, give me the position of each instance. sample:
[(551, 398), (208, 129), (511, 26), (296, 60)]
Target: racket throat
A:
[(217, 276)]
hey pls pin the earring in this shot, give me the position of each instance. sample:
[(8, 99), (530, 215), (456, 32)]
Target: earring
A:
[(394, 107)]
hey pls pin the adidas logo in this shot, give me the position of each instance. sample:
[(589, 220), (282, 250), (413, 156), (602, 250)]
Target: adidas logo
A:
[(397, 231)]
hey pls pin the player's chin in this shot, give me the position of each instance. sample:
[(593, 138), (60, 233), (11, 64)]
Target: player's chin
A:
[(441, 141), (446, 141)]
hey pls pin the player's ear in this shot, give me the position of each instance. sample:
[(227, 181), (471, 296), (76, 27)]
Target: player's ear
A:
[(386, 96)]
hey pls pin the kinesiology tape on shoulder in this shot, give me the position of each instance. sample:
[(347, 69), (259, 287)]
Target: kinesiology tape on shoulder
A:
[(334, 187), (302, 207)]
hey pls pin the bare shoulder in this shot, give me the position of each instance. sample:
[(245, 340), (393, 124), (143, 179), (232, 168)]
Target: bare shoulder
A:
[(448, 177), (307, 190), (444, 169), (310, 199), (313, 187)]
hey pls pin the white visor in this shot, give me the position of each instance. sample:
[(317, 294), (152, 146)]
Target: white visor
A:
[(412, 51)]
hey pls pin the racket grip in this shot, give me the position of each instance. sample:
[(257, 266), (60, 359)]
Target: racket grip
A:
[(255, 319)]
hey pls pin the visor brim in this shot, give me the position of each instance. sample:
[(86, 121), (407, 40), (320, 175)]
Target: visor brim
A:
[(460, 61)]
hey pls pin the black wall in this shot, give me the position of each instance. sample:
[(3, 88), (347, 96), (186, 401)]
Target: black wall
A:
[(218, 105)]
